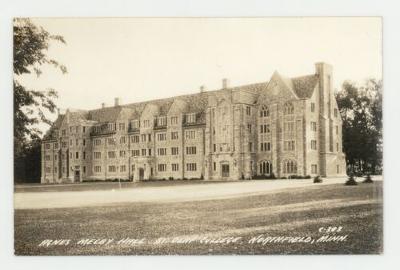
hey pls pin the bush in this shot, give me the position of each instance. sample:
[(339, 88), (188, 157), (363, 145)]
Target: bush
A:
[(351, 181), (170, 178), (307, 177), (368, 179), (317, 179)]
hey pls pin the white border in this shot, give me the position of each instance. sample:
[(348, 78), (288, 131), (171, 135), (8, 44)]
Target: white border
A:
[(209, 8)]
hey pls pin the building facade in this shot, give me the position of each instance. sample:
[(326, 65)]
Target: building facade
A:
[(283, 127)]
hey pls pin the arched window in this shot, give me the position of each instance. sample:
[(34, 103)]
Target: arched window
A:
[(264, 112), (289, 166), (265, 167), (288, 108)]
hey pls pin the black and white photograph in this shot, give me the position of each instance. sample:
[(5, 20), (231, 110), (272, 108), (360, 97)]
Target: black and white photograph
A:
[(197, 136)]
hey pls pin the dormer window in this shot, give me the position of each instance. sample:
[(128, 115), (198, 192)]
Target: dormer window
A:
[(191, 118), (174, 120), (134, 124), (162, 121)]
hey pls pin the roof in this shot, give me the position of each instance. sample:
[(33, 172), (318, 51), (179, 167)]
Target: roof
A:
[(108, 114), (304, 86)]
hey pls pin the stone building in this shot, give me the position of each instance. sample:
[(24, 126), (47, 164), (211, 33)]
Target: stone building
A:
[(284, 127)]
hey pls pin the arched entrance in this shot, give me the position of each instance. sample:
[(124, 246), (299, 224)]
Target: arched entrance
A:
[(265, 167)]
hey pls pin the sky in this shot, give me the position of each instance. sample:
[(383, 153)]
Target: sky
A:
[(138, 59)]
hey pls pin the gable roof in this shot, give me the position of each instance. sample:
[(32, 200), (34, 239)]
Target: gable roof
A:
[(304, 86), (108, 114)]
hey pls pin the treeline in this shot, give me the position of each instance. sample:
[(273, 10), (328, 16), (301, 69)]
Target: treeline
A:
[(361, 111)]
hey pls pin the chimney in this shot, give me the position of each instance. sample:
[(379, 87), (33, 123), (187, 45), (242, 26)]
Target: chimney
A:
[(202, 89), (116, 102), (103, 105), (225, 83)]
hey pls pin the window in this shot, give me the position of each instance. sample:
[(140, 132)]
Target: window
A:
[(47, 158), (161, 151), (337, 147), (122, 140), (64, 144), (314, 168), (122, 153), (84, 155), (55, 169), (70, 129), (149, 137), (63, 132), (143, 137), (97, 169), (174, 120), (288, 145), (162, 167), (84, 142), (135, 153), (111, 154), (288, 108), (162, 121), (135, 139), (48, 169), (83, 129), (250, 147), (70, 142), (121, 126), (84, 169), (314, 144), (265, 167), (175, 167), (76, 155), (264, 128), (337, 130), (122, 168), (149, 151), (112, 168), (144, 152), (174, 151), (335, 112), (77, 129), (215, 148), (111, 141), (337, 169), (191, 167), (248, 110), (288, 127), (190, 134), (134, 124), (56, 145), (214, 166), (289, 166), (249, 127), (55, 157), (191, 150), (191, 118), (265, 146), (161, 136), (312, 107), (97, 155), (174, 135), (313, 126), (264, 112), (76, 142), (146, 123), (97, 142)]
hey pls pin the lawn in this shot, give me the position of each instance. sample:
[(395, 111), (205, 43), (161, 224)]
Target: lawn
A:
[(299, 212)]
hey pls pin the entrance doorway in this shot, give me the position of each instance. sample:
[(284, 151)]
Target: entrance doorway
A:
[(141, 174), (225, 170), (77, 176)]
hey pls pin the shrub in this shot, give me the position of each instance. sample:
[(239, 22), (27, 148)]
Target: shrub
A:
[(170, 178), (368, 179), (351, 181), (201, 177), (317, 179), (284, 177), (307, 177)]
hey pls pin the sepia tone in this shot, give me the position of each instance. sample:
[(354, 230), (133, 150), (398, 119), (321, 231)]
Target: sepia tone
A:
[(285, 127)]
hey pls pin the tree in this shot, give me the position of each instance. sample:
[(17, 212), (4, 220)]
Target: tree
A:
[(31, 107), (361, 111)]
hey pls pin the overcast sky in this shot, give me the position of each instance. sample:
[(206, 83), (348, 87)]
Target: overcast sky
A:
[(140, 59)]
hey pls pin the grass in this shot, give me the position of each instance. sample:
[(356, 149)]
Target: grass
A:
[(296, 212)]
